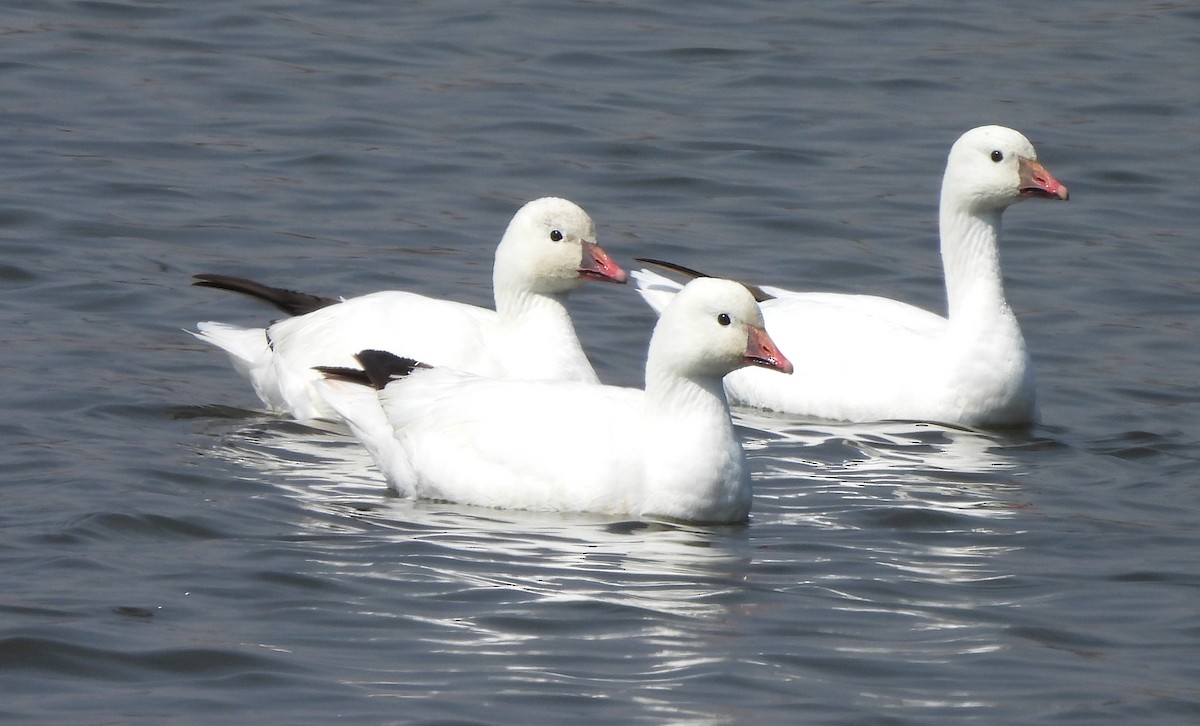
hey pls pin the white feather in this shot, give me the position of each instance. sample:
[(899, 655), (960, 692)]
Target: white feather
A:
[(865, 358), (528, 335), (669, 451)]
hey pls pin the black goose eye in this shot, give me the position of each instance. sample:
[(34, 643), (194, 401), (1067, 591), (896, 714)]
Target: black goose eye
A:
[(555, 235), (997, 156), (723, 319)]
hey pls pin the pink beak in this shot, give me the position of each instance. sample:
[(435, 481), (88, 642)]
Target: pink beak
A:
[(1037, 182), (762, 351), (597, 265)]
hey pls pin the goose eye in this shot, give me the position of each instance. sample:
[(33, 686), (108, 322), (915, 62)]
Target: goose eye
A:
[(555, 235), (723, 319), (997, 156)]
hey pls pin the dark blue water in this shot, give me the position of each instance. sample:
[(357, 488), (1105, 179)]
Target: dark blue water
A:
[(169, 555)]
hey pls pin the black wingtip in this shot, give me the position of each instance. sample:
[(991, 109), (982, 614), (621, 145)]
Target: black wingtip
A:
[(689, 272), (352, 375), (759, 294), (383, 367), (289, 301), (379, 368)]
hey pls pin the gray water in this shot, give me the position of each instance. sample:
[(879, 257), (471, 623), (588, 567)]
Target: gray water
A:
[(169, 554)]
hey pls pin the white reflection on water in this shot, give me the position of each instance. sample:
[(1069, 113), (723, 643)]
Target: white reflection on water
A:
[(913, 465), (524, 603), (859, 532), (659, 567), (906, 520)]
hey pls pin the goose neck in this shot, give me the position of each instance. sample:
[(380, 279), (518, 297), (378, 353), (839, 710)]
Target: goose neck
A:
[(971, 260), (669, 393)]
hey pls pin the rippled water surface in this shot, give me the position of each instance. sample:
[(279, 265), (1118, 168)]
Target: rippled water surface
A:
[(168, 554)]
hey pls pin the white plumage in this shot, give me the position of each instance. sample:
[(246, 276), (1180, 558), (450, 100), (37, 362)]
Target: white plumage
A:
[(868, 358), (669, 451), (548, 250)]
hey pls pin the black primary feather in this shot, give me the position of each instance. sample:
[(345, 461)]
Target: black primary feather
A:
[(338, 373), (755, 290), (383, 367), (289, 301), (379, 368)]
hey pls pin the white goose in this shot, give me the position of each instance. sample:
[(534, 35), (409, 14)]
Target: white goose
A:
[(867, 358), (548, 250), (669, 451)]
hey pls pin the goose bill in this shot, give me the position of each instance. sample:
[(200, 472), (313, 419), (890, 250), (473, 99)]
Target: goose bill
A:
[(1037, 182), (761, 351), (597, 265)]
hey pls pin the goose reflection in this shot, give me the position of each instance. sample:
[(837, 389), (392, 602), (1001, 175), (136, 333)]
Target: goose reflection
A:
[(896, 464), (858, 532), (654, 566)]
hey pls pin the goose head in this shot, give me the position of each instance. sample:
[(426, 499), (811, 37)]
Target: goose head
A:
[(992, 167), (550, 248), (711, 328)]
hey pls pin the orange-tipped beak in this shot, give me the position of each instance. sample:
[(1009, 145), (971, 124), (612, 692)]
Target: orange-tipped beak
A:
[(1037, 182), (597, 265), (761, 351)]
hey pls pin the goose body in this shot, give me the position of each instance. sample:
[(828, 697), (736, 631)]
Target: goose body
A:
[(548, 250), (870, 358), (668, 451)]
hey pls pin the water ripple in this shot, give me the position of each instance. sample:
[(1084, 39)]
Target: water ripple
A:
[(169, 557)]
